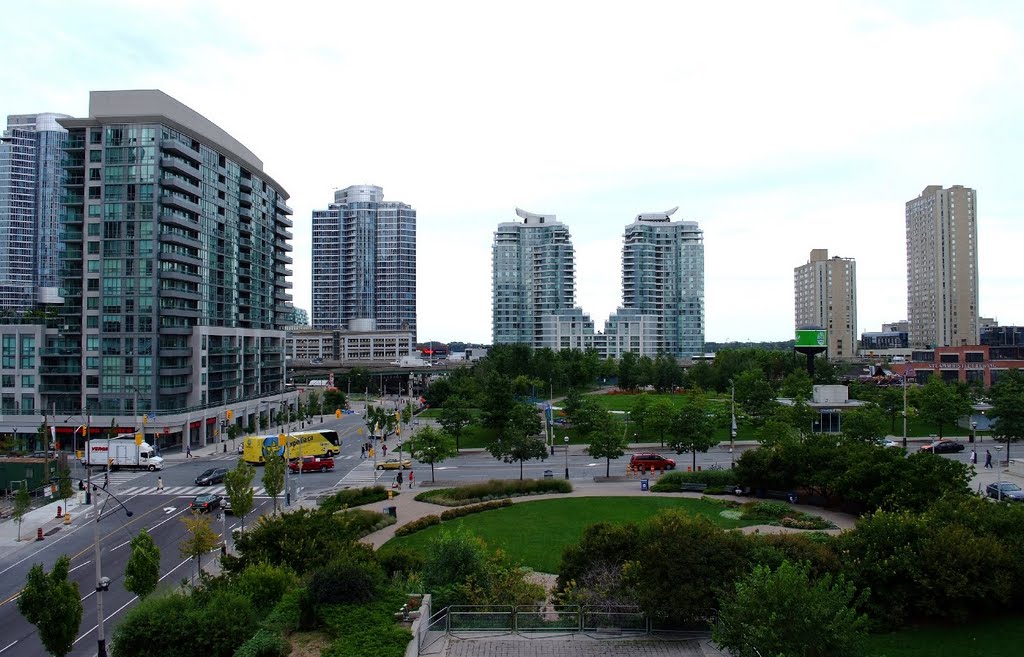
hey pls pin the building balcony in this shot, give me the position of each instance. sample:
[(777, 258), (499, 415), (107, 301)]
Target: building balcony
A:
[(284, 209), (180, 165), (168, 352), (178, 219), (180, 257), (180, 184), (181, 240), (180, 202), (245, 199), (175, 147), (175, 370), (245, 184), (245, 213)]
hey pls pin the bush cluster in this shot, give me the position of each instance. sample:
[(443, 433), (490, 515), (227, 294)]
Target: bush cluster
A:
[(670, 481), (351, 497), (492, 490), (460, 511), (418, 525), (344, 581)]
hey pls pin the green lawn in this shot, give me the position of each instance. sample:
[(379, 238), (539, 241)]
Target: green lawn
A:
[(534, 533), (999, 636)]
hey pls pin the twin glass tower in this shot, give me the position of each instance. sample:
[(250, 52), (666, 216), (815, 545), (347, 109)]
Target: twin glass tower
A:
[(534, 286)]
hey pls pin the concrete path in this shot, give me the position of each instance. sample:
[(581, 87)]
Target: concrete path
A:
[(576, 646)]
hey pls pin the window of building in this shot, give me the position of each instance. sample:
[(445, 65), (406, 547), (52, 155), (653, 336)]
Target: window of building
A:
[(949, 358), (974, 357), (28, 381)]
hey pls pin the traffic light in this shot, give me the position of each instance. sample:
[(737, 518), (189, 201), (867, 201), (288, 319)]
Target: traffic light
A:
[(138, 439), (337, 413), (231, 414), (280, 440)]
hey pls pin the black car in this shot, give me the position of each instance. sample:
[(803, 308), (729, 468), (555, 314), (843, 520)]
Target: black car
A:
[(205, 503), (943, 446), (211, 476), (1005, 490)]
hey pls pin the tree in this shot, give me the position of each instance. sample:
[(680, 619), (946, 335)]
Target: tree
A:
[(659, 417), (53, 605), (433, 446), (273, 476), (797, 385), (890, 400), (629, 371), (1008, 407), (693, 428), (380, 421), (774, 611), (518, 441), (755, 395), (639, 415), (589, 418), (608, 442), (455, 417), (22, 503), (142, 572), (866, 423), (238, 487), (313, 402), (942, 403), (200, 540), (334, 399), (665, 373), (65, 490), (496, 401)]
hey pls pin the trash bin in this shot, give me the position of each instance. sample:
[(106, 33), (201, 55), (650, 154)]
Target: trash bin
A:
[(391, 511), (645, 484), (548, 474)]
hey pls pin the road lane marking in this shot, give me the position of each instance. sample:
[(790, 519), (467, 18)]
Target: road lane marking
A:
[(8, 646), (80, 565)]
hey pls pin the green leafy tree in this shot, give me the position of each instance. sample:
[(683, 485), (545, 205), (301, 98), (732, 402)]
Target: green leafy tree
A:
[(455, 417), (890, 400), (142, 572), (666, 375), (572, 404), (201, 538), (381, 421), (496, 401), (52, 603), (334, 400), (774, 611), (608, 442), (630, 374), (866, 423), (640, 414), (65, 489), (659, 417), (693, 428), (273, 476), (22, 503), (313, 402), (238, 487), (518, 440), (797, 385), (755, 395), (942, 403), (590, 418), (1008, 407), (433, 446)]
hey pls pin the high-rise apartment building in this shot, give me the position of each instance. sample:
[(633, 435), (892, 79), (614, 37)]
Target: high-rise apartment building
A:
[(30, 167), (533, 275), (825, 293), (364, 262), (942, 267), (663, 276), (174, 269)]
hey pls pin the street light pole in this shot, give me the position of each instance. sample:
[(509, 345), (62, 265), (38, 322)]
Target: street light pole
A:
[(732, 433), (102, 583), (567, 457), (904, 407)]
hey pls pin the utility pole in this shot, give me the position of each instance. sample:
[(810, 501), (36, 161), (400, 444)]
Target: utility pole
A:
[(904, 407)]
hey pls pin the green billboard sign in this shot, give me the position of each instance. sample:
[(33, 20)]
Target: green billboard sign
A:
[(815, 338)]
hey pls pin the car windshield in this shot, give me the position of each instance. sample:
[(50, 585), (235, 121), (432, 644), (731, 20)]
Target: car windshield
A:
[(207, 473)]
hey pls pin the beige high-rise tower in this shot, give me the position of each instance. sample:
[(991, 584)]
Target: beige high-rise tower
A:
[(825, 294), (942, 267)]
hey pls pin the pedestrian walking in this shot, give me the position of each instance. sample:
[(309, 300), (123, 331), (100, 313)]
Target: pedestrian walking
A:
[(988, 459), (160, 484), (974, 457), (188, 450), (384, 449), (411, 477), (362, 452), (399, 479)]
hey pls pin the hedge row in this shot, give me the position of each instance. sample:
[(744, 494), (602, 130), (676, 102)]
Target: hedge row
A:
[(670, 481), (417, 525), (493, 490), (269, 640), (352, 497), (460, 511)]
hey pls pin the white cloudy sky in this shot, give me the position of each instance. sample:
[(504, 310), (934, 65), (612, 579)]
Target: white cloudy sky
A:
[(779, 126)]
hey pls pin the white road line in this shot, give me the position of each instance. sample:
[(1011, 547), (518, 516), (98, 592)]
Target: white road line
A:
[(80, 565), (120, 546), (8, 646)]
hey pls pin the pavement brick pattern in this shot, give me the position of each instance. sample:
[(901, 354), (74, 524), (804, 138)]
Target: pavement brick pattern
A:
[(576, 646)]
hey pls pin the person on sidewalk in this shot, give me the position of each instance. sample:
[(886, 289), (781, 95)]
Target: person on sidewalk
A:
[(411, 476), (384, 449), (188, 450), (974, 457), (988, 459), (159, 484), (398, 478)]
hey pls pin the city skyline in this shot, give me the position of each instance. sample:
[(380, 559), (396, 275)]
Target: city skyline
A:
[(795, 128)]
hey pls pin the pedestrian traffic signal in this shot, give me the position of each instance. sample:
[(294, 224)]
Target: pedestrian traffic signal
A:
[(337, 413)]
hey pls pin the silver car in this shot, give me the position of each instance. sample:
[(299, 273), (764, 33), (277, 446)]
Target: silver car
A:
[(1005, 490)]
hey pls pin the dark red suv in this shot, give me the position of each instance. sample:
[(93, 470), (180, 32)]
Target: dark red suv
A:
[(647, 460), (313, 464)]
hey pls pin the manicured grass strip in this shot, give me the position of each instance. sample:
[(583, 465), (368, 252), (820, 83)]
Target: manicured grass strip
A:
[(535, 533), (997, 636)]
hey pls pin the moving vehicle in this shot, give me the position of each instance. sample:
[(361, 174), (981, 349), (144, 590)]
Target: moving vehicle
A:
[(211, 476), (205, 503), (394, 464), (1005, 490), (225, 505), (300, 445), (313, 464), (648, 460), (121, 452), (943, 446)]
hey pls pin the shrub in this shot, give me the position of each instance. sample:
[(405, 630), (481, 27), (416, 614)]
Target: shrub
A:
[(352, 497), (264, 584), (494, 489), (269, 641), (221, 626), (345, 581), (417, 525), (774, 510), (265, 643), (458, 512), (156, 615), (670, 481), (400, 561)]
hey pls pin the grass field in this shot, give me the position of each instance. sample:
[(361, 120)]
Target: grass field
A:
[(999, 636), (535, 533)]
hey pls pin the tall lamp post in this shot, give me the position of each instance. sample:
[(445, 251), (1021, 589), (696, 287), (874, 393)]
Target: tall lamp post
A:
[(567, 457), (974, 431), (732, 432), (904, 408)]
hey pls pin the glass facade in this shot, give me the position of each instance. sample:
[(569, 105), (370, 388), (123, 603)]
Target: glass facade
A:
[(364, 261)]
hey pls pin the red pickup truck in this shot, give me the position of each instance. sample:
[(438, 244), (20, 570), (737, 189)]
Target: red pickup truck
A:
[(313, 464)]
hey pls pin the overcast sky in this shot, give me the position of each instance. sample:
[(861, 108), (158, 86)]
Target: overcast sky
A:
[(779, 126)]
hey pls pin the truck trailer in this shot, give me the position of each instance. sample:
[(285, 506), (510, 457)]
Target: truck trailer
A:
[(121, 453)]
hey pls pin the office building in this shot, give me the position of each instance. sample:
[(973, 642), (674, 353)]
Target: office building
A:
[(31, 150), (364, 262), (533, 275), (663, 276), (942, 267), (174, 274), (825, 294), (370, 346)]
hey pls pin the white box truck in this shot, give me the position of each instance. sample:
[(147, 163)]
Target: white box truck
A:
[(121, 453)]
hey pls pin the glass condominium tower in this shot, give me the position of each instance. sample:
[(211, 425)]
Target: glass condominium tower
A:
[(663, 277), (30, 177), (174, 269), (533, 275), (364, 262)]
